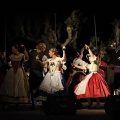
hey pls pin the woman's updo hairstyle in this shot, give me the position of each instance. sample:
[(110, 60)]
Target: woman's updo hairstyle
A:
[(54, 50)]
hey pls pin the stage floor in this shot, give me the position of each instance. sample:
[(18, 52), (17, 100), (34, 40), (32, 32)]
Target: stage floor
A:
[(25, 113)]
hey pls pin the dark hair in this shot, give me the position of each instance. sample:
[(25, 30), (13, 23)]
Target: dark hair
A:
[(16, 46), (95, 51)]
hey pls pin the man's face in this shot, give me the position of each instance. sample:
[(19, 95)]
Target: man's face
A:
[(43, 49)]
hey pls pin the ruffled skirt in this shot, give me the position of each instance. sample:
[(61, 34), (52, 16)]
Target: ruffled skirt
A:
[(15, 87), (92, 86)]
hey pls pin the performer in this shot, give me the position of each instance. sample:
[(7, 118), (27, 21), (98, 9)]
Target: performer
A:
[(3, 66), (76, 74), (93, 85), (15, 87), (113, 70), (54, 81), (36, 69)]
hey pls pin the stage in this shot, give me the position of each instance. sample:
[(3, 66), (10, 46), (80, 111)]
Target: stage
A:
[(24, 113)]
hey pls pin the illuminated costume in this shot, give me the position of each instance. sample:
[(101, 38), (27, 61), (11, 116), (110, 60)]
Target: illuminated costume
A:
[(79, 62), (77, 74), (53, 81), (102, 68), (93, 85)]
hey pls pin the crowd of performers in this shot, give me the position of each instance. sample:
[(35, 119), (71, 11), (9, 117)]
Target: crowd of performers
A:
[(35, 75), (87, 79)]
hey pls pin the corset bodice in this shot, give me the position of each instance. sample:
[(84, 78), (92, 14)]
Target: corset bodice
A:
[(54, 65), (93, 67)]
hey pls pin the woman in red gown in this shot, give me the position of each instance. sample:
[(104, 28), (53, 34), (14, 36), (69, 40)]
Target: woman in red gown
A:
[(93, 85)]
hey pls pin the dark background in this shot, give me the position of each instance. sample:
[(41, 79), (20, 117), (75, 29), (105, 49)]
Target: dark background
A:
[(104, 12)]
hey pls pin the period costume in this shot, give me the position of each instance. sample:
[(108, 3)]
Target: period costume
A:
[(54, 81), (93, 85), (77, 74), (15, 87)]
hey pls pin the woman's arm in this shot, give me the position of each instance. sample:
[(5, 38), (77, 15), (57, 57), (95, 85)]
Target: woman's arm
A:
[(42, 63), (82, 50), (25, 52), (64, 54), (79, 67), (89, 50)]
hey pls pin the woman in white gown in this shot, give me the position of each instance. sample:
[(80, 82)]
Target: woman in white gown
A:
[(15, 87), (54, 81)]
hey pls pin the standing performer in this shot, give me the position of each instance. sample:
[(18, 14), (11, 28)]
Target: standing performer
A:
[(15, 87), (77, 74), (36, 69), (54, 81), (93, 85)]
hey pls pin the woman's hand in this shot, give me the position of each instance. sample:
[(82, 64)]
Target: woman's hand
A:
[(86, 47), (80, 67), (63, 47), (37, 58), (22, 46), (72, 65)]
